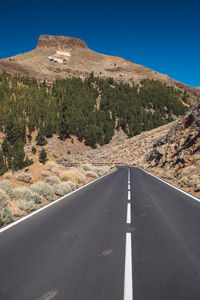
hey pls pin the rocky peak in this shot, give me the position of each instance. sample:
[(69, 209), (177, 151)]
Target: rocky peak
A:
[(59, 42)]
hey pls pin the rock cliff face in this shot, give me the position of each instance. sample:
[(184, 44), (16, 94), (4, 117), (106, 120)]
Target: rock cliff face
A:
[(59, 42), (176, 156), (181, 145)]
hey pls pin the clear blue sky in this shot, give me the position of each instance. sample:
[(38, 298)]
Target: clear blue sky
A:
[(163, 35)]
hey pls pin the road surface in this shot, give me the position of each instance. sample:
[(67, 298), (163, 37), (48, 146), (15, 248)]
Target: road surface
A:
[(126, 236)]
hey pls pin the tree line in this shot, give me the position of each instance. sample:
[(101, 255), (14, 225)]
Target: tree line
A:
[(69, 107)]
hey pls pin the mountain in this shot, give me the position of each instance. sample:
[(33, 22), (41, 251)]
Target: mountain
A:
[(60, 57)]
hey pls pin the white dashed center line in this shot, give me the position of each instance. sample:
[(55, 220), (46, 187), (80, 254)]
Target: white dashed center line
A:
[(128, 218), (128, 280)]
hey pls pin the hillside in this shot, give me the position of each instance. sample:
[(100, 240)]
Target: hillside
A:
[(63, 57), (176, 156), (171, 152)]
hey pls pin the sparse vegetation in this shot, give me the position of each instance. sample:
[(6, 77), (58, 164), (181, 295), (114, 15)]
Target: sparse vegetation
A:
[(27, 206), (73, 174), (24, 177), (3, 197), (52, 180), (21, 200), (43, 189), (6, 187), (6, 216)]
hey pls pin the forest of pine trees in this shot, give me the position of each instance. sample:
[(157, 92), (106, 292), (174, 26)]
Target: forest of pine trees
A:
[(69, 107)]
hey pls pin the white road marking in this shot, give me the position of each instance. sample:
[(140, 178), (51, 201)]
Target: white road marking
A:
[(128, 281), (128, 217), (50, 204), (129, 186), (129, 195), (176, 188)]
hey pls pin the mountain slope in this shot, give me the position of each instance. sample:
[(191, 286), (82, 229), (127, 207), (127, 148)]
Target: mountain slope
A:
[(61, 57), (171, 151)]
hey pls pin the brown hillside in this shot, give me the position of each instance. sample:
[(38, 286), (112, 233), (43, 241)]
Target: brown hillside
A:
[(61, 57)]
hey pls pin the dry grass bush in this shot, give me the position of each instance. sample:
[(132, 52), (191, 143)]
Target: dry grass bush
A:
[(188, 170), (87, 167), (43, 189), (72, 186), (98, 170), (26, 195), (62, 189), (23, 192), (27, 206), (24, 177), (6, 216), (13, 206), (3, 198), (6, 187), (73, 174), (103, 170), (51, 163), (52, 180), (91, 174)]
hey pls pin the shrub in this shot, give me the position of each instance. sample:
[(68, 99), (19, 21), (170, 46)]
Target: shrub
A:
[(52, 180), (188, 170), (36, 198), (3, 197), (44, 189), (72, 185), (62, 189), (22, 193), (51, 163), (24, 177), (26, 194), (5, 216), (87, 167), (91, 174), (102, 170), (34, 150), (27, 206), (6, 187), (73, 174)]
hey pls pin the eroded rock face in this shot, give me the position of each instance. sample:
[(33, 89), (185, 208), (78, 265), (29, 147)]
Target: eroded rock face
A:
[(181, 145), (59, 42)]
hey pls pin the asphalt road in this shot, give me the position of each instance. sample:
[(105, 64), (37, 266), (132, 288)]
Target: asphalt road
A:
[(110, 240)]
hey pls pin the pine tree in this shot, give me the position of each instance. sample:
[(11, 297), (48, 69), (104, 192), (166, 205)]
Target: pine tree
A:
[(43, 157), (40, 138), (18, 156)]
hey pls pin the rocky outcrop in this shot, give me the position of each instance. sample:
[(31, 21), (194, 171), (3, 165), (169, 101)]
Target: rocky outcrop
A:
[(180, 145), (59, 42)]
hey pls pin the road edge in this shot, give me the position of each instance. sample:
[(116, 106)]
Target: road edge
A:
[(52, 203), (173, 186)]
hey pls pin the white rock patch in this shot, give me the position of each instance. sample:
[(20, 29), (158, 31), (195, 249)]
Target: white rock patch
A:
[(60, 57)]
